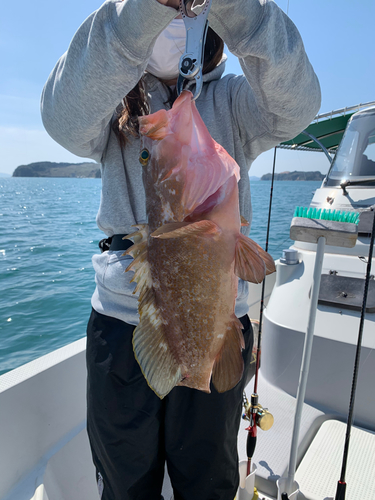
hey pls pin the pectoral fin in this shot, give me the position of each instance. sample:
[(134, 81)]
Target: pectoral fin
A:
[(228, 367), (182, 229), (252, 262), (267, 259)]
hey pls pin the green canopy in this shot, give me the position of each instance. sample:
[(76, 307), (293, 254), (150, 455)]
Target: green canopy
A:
[(328, 128)]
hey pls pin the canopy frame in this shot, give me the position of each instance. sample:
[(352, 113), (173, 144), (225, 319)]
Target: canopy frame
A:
[(325, 132)]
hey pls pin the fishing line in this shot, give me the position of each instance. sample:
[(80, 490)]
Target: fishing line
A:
[(341, 485), (282, 243), (364, 361), (264, 281), (291, 363)]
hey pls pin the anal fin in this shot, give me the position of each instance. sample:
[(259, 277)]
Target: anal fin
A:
[(228, 367)]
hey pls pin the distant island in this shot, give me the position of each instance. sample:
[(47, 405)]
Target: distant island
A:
[(295, 176), (92, 170), (51, 169)]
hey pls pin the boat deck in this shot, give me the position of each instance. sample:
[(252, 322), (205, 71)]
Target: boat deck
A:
[(273, 446), (45, 452)]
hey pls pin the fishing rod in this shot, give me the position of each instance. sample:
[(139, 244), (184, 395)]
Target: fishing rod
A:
[(341, 484), (254, 412)]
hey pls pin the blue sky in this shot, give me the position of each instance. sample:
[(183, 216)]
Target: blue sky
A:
[(338, 37)]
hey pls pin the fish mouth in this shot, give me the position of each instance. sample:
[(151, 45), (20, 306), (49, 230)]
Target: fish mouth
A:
[(154, 126)]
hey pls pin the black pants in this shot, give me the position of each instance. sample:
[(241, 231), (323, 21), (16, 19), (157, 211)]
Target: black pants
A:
[(132, 432)]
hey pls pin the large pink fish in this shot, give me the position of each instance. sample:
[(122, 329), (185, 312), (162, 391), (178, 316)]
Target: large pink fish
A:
[(189, 256)]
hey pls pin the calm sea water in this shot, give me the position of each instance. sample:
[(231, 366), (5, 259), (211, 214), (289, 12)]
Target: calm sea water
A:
[(48, 235)]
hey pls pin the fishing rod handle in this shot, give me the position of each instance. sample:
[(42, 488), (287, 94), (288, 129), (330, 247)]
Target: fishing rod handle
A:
[(251, 441), (340, 492)]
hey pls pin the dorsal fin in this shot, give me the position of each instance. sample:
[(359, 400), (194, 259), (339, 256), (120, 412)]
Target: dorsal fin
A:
[(149, 342), (137, 250), (244, 222), (139, 235), (152, 352)]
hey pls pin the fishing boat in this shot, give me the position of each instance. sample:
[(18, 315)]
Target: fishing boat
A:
[(45, 454)]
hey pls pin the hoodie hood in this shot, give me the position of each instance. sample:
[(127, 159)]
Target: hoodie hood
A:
[(217, 72)]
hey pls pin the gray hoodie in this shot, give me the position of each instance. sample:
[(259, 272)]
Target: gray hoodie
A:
[(274, 100)]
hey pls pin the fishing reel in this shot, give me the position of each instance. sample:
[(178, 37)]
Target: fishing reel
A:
[(263, 418)]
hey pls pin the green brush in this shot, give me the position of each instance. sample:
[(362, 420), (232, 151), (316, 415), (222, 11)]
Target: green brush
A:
[(322, 227), (339, 228), (335, 215)]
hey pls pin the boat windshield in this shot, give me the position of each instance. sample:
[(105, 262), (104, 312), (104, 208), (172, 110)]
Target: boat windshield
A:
[(355, 157)]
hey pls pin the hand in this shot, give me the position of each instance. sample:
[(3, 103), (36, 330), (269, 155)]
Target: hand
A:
[(170, 3)]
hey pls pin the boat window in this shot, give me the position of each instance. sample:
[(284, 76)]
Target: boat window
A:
[(370, 148), (355, 157)]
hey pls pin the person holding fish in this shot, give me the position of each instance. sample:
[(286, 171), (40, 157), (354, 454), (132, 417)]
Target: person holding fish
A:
[(169, 340)]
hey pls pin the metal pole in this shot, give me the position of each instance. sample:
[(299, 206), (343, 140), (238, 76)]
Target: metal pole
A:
[(306, 360), (324, 149)]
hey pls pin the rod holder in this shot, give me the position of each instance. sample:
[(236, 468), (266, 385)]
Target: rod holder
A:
[(282, 487), (246, 489)]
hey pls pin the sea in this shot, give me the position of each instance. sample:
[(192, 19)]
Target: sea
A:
[(48, 235)]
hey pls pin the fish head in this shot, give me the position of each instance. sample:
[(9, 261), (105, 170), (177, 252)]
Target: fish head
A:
[(177, 121), (165, 136), (187, 168)]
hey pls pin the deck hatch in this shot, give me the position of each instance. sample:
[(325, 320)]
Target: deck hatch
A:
[(345, 292)]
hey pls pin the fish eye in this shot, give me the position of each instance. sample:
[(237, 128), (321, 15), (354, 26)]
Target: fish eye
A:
[(144, 157)]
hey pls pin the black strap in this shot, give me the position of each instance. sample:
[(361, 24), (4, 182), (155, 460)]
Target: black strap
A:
[(115, 242)]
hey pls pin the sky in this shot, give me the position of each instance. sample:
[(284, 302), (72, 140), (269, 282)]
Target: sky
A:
[(338, 37)]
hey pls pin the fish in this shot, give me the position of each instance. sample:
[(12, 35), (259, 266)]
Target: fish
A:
[(189, 256)]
